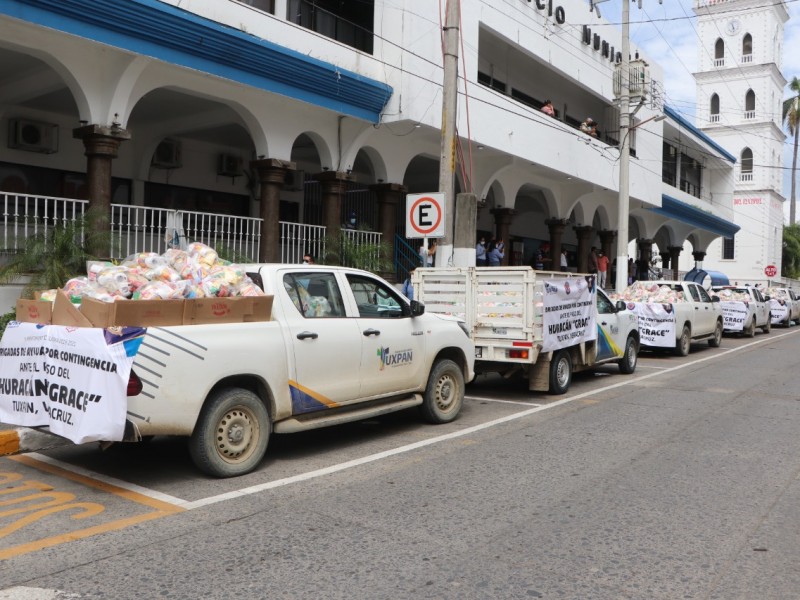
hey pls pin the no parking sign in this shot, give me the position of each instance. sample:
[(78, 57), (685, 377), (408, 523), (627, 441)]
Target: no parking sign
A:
[(425, 215)]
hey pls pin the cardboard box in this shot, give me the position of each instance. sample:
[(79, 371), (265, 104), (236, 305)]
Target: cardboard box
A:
[(133, 313), (240, 309), (60, 312)]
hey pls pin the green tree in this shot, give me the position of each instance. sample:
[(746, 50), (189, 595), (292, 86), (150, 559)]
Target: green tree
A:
[(790, 266), (345, 251), (791, 119), (56, 255)]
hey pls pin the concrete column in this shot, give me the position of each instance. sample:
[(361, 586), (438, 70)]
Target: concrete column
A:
[(645, 254), (584, 240), (466, 223), (607, 240), (674, 254), (389, 196), (101, 145), (271, 174), (556, 227), (699, 256), (502, 224), (334, 185)]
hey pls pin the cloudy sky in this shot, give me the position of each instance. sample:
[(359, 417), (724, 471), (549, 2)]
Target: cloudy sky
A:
[(668, 33)]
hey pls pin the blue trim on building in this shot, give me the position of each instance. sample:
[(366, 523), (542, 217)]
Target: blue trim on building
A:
[(173, 35), (672, 114), (686, 213)]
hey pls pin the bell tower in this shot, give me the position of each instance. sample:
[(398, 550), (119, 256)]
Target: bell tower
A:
[(739, 97)]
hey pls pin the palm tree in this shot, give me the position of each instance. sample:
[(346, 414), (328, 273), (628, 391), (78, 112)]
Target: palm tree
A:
[(791, 118)]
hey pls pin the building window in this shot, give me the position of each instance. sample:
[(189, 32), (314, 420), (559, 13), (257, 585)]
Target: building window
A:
[(746, 170), (747, 48), (691, 175), (267, 6), (750, 105), (489, 81), (728, 247), (350, 23), (719, 53), (714, 108), (669, 168)]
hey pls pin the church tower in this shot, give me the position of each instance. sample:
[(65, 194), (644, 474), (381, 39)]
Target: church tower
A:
[(739, 97)]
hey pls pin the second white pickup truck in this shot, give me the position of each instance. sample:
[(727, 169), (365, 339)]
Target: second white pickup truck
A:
[(744, 309), (342, 345), (519, 330)]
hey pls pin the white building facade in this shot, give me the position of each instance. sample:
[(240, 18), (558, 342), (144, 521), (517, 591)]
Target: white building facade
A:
[(739, 97), (290, 111)]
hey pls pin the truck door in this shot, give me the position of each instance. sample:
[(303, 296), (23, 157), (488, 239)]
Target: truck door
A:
[(704, 310), (610, 334), (325, 342), (392, 342)]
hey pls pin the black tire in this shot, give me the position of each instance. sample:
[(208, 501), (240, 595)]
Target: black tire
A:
[(627, 364), (560, 373), (684, 343), (750, 329), (717, 339), (444, 394), (768, 326), (231, 435)]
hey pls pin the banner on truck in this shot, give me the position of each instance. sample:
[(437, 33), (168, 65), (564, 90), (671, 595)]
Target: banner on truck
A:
[(734, 314), (72, 379), (568, 312), (779, 312), (656, 323)]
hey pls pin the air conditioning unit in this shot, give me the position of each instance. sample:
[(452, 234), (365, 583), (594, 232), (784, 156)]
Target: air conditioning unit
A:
[(167, 155), (294, 181), (230, 165), (33, 136)]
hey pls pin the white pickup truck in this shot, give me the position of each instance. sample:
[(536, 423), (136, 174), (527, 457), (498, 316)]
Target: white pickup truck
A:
[(784, 306), (342, 345), (744, 309), (692, 315), (522, 325)]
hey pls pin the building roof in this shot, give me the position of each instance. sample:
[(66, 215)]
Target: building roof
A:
[(691, 215), (673, 114)]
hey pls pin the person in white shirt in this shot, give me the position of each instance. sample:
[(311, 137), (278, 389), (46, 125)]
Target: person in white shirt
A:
[(480, 253)]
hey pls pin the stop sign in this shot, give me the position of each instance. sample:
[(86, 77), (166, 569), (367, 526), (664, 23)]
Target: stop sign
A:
[(770, 270)]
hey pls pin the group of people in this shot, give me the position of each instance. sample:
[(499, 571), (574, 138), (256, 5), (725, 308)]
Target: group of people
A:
[(589, 127), (491, 255)]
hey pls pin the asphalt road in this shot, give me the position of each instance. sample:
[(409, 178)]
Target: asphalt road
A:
[(680, 481)]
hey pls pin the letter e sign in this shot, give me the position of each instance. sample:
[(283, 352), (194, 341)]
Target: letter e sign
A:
[(425, 215)]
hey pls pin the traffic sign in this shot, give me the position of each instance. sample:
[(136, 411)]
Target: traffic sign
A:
[(425, 215), (770, 270)]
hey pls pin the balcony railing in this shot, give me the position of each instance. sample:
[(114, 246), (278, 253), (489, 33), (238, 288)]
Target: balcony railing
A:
[(746, 177), (714, 118), (719, 62), (749, 114), (145, 229), (690, 188), (747, 58)]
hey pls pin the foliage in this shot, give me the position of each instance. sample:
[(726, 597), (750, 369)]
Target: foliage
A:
[(231, 255), (791, 119), (54, 256), (5, 319), (345, 251), (791, 252)]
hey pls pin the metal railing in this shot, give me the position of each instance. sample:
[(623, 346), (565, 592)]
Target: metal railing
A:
[(749, 114), (298, 239)]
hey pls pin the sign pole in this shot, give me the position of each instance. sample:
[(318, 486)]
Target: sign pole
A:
[(447, 156)]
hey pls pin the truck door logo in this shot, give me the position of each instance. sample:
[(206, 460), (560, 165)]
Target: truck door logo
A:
[(394, 359)]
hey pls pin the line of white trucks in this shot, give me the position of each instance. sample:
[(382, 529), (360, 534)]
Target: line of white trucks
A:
[(343, 345)]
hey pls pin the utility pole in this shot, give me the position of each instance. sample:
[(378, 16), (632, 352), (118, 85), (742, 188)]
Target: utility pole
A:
[(447, 156), (623, 205)]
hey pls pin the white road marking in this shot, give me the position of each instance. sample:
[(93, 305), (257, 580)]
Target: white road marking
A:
[(478, 398), (255, 489)]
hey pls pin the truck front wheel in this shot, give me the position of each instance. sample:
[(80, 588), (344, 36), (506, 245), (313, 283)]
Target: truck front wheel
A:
[(684, 342), (560, 373), (628, 363), (717, 339), (231, 435), (444, 394)]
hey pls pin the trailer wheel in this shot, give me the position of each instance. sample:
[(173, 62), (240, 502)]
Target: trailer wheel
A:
[(717, 339), (231, 435), (444, 394), (560, 373), (768, 325), (628, 363), (684, 342), (750, 330)]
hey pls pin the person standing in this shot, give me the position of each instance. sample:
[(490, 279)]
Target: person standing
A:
[(426, 254), (564, 261), (547, 108), (480, 253), (495, 253), (602, 269), (408, 289)]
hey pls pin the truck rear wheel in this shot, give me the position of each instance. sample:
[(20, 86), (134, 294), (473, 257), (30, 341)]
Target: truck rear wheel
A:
[(628, 363), (444, 394), (560, 372), (750, 330), (768, 325), (684, 342), (717, 339), (231, 435)]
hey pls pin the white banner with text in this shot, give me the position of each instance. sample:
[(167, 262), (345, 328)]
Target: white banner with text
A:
[(568, 312), (656, 323)]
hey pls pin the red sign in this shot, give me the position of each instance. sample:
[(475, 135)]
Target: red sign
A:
[(770, 270)]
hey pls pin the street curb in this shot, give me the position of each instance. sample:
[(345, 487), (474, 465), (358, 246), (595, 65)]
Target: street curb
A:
[(23, 439)]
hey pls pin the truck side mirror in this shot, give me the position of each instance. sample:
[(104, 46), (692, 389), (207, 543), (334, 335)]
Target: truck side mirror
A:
[(715, 298), (620, 304), (767, 298), (417, 308)]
